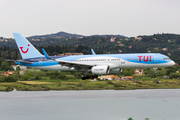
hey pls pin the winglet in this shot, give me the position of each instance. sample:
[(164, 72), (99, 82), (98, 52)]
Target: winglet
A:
[(45, 54), (93, 52)]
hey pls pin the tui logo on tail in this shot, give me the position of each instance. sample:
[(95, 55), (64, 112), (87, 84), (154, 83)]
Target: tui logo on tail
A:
[(26, 50)]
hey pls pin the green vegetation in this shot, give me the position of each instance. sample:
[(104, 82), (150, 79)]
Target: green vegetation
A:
[(34, 80), (40, 85)]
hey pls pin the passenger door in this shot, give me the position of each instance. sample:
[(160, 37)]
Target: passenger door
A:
[(40, 62), (155, 59), (122, 60)]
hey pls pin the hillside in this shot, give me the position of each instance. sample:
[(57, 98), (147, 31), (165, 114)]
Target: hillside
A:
[(59, 34), (67, 35)]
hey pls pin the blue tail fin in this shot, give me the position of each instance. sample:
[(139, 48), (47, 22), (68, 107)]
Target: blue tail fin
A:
[(26, 49)]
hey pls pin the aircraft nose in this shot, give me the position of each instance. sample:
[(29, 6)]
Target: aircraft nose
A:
[(172, 63)]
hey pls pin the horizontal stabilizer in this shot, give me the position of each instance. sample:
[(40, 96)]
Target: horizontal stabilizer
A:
[(19, 61)]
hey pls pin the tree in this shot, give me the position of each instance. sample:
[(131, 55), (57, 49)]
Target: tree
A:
[(10, 68), (128, 72), (26, 77), (9, 54), (37, 77), (4, 65), (10, 79), (16, 56), (18, 68), (4, 48)]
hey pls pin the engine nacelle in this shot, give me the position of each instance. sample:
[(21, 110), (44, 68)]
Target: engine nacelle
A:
[(100, 70), (115, 71)]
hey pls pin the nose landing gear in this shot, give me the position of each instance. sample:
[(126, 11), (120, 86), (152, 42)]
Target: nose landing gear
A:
[(154, 72)]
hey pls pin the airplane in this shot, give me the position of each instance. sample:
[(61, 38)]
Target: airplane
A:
[(97, 64)]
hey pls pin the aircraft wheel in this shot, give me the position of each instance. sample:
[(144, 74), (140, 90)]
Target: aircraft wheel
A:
[(83, 78), (92, 77), (95, 76), (87, 77)]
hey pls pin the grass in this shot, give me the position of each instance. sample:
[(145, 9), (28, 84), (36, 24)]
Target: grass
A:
[(34, 82), (3, 88), (42, 85)]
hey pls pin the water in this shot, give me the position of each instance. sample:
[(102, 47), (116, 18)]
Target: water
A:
[(162, 104)]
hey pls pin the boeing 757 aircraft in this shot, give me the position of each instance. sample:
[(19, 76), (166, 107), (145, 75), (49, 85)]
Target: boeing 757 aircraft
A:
[(97, 64)]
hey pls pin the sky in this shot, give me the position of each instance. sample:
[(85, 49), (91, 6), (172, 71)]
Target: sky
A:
[(89, 17)]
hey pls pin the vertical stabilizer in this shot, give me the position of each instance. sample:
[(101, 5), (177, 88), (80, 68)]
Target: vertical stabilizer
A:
[(26, 49)]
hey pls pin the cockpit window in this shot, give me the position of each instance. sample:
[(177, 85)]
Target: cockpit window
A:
[(166, 58)]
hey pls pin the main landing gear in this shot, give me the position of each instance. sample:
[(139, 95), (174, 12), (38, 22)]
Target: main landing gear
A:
[(89, 77)]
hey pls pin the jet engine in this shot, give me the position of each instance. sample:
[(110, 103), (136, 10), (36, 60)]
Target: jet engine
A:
[(100, 70), (115, 71)]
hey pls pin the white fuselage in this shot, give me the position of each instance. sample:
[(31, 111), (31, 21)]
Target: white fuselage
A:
[(114, 61)]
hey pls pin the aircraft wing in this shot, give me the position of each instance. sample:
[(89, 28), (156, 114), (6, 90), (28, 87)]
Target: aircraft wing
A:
[(75, 65), (69, 63)]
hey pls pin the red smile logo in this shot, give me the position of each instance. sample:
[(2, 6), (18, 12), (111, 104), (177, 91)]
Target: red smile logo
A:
[(24, 51)]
